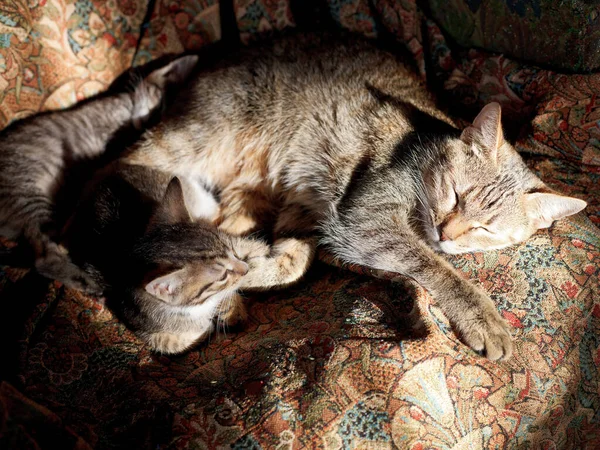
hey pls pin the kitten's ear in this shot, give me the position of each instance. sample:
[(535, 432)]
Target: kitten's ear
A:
[(486, 130), (544, 208), (175, 72), (172, 208), (167, 287)]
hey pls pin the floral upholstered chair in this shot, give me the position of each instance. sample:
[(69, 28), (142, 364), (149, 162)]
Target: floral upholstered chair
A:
[(335, 362)]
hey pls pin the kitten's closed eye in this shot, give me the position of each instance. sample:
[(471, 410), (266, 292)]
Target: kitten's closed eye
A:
[(213, 273), (456, 200), (224, 276)]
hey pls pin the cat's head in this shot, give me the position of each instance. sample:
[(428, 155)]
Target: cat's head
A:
[(481, 195), (189, 262)]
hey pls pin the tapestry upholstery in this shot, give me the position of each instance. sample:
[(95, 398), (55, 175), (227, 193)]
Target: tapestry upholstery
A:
[(349, 358), (562, 35), (56, 52)]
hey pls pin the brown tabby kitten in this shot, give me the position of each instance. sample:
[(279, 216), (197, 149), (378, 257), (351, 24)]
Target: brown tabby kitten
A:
[(166, 274), (339, 138), (37, 153)]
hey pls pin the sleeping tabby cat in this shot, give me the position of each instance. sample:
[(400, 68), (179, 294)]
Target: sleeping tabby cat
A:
[(37, 153), (339, 138), (168, 272)]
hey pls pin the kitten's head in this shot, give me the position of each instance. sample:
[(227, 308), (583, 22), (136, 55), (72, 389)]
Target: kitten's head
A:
[(482, 196), (189, 262)]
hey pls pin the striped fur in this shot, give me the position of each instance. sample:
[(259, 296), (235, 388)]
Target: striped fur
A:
[(167, 275), (37, 154), (338, 139)]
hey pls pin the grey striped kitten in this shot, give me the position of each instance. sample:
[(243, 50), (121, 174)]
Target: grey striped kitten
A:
[(36, 155), (169, 274), (338, 138)]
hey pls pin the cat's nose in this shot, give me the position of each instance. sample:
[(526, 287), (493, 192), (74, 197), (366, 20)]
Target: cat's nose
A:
[(238, 267), (444, 236)]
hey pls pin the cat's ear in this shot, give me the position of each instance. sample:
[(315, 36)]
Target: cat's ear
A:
[(175, 72), (546, 207), (486, 130), (172, 208), (167, 287)]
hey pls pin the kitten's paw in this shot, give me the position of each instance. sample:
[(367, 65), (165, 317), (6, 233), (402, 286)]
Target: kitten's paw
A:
[(147, 97), (57, 265), (295, 257), (171, 343), (490, 334)]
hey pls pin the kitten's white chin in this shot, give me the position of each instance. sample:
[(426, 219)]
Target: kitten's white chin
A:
[(450, 248)]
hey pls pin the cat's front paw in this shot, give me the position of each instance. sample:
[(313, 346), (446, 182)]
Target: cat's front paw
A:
[(488, 333), (295, 256)]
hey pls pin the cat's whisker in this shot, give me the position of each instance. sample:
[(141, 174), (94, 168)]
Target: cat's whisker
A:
[(221, 324)]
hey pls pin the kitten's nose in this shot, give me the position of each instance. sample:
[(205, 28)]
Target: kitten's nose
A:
[(238, 267), (443, 236)]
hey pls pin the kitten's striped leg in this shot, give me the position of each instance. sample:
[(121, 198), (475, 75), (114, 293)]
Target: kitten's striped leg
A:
[(290, 256), (241, 211)]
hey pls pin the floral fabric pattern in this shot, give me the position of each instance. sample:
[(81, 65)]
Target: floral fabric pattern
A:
[(563, 35), (177, 26), (350, 358), (56, 52), (256, 17)]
